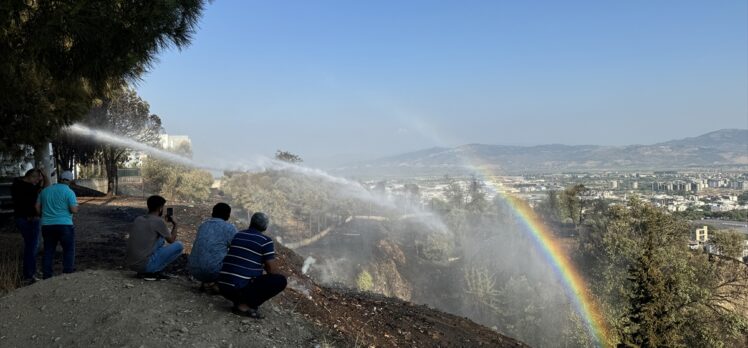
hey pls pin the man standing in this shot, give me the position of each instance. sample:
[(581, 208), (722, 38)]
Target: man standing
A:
[(210, 246), (57, 204), (25, 191), (146, 252), (241, 279)]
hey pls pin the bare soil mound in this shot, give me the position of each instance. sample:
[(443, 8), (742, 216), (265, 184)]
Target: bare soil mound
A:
[(103, 305), (110, 308)]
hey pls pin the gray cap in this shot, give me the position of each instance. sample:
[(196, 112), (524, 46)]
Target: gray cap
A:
[(259, 221)]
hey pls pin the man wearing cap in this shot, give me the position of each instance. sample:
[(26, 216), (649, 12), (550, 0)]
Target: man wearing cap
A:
[(57, 204), (242, 279)]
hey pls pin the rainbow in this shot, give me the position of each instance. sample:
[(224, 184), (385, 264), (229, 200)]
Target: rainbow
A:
[(573, 283)]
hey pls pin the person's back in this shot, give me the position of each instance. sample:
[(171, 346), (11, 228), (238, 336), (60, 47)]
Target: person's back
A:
[(250, 273), (25, 192), (145, 232), (247, 254), (147, 252), (24, 195), (55, 202), (211, 245)]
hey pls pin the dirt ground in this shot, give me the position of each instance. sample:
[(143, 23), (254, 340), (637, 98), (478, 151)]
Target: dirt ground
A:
[(104, 305)]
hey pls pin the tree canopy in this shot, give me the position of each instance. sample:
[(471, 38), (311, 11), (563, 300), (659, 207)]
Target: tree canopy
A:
[(286, 156), (59, 56)]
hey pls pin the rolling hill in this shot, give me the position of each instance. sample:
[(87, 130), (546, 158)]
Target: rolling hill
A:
[(723, 148)]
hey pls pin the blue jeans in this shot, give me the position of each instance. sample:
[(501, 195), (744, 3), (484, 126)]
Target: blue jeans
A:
[(30, 231), (65, 236), (162, 255)]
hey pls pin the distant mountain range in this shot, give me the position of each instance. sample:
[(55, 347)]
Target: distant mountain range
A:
[(722, 148)]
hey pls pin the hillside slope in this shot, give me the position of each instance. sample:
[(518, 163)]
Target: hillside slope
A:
[(727, 147), (109, 307)]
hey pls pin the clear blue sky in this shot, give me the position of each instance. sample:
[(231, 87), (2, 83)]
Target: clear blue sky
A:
[(372, 78)]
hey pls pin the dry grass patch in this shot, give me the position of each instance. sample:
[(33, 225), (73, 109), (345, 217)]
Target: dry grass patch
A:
[(11, 252)]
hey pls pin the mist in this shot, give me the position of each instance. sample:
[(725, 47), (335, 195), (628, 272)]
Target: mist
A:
[(467, 255)]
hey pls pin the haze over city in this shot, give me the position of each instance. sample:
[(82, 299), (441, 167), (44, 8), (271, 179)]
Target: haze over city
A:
[(333, 81)]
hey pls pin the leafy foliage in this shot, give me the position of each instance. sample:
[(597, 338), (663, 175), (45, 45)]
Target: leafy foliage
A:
[(59, 56), (176, 182), (729, 243), (291, 198), (364, 281), (286, 156), (654, 290), (124, 113)]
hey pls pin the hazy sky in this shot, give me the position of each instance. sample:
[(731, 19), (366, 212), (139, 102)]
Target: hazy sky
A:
[(330, 78)]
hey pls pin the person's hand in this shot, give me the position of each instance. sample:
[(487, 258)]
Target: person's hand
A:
[(170, 218)]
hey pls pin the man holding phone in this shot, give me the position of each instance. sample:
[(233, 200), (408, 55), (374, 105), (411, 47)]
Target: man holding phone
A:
[(147, 253)]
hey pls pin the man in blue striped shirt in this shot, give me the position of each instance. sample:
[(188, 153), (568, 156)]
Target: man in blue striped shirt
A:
[(250, 274)]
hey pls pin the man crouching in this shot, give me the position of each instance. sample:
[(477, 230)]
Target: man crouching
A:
[(147, 253), (242, 279), (210, 247)]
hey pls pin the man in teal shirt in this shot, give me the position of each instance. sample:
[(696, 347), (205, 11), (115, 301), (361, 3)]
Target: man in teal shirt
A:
[(57, 204)]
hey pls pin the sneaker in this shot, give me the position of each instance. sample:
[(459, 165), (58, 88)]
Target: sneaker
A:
[(147, 276), (163, 276), (29, 281), (251, 313), (210, 288)]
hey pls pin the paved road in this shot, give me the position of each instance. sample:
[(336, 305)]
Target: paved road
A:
[(741, 226)]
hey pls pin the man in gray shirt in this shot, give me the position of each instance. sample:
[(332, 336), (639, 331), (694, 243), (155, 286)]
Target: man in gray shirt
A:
[(146, 252)]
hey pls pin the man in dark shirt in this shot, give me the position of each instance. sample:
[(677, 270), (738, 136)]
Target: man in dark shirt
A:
[(24, 192), (241, 279)]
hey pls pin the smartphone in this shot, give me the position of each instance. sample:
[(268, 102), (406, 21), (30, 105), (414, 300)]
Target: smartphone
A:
[(169, 212)]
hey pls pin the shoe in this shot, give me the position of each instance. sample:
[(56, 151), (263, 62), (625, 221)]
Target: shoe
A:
[(250, 313), (29, 281), (147, 276), (210, 288), (163, 276)]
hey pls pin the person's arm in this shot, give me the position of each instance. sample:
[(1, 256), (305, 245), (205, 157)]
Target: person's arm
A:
[(173, 235), (72, 203), (272, 267), (38, 207)]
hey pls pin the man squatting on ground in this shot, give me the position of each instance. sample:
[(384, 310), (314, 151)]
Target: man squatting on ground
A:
[(56, 205), (241, 279), (210, 247), (146, 252), (24, 192)]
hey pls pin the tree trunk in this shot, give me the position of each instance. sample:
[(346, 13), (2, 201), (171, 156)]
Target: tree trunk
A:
[(110, 181), (110, 164), (43, 157)]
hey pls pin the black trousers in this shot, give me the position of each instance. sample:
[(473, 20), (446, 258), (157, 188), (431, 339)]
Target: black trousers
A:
[(258, 290)]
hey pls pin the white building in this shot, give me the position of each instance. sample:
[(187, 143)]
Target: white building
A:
[(701, 235), (173, 142)]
